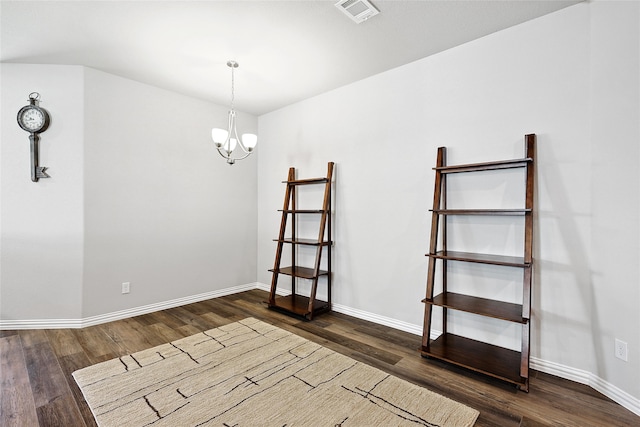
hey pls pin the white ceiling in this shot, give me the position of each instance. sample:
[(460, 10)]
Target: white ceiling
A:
[(287, 50)]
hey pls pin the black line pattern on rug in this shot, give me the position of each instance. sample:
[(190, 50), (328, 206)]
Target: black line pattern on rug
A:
[(162, 357), (266, 389), (330, 379), (126, 367), (169, 414), (376, 399), (183, 376), (215, 339), (217, 365), (278, 368), (241, 402), (146, 399), (245, 371), (274, 370), (185, 352), (341, 422), (135, 360)]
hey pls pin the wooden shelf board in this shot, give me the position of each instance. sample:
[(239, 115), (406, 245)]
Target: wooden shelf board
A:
[(303, 211), (482, 306), (478, 356), (303, 272), (307, 181), (485, 166), (502, 212), (510, 261), (298, 304), (310, 242)]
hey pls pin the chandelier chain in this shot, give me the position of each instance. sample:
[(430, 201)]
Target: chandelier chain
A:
[(233, 95)]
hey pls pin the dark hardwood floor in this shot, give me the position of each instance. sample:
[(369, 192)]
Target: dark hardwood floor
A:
[(38, 389)]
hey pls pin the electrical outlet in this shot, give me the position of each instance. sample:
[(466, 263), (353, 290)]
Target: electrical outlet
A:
[(126, 287), (621, 350)]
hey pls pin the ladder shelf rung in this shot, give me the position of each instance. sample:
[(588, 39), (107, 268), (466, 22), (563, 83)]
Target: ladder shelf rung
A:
[(302, 211), (299, 305), (481, 306), (485, 166), (297, 271), (512, 261), (307, 181), (310, 242), (478, 356), (505, 212)]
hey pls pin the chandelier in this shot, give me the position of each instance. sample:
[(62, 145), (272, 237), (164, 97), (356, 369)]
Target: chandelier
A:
[(227, 141)]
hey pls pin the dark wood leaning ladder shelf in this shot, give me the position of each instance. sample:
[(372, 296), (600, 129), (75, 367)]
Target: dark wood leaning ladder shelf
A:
[(295, 303), (496, 361)]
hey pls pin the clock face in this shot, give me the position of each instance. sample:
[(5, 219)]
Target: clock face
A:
[(32, 119)]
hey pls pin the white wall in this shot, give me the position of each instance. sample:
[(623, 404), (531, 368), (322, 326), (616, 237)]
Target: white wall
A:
[(572, 78), (42, 223), (615, 209), (162, 209), (138, 193)]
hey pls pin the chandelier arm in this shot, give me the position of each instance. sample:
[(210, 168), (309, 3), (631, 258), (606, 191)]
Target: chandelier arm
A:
[(243, 148), (232, 159), (238, 139), (225, 156), (231, 126), (243, 157)]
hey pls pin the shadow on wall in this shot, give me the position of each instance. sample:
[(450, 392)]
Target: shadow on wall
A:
[(566, 286)]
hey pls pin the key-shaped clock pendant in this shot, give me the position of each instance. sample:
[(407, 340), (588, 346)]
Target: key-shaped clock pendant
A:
[(34, 120), (37, 172)]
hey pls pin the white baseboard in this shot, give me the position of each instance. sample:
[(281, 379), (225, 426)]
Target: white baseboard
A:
[(267, 288), (380, 320), (580, 376), (360, 314), (583, 377), (118, 315)]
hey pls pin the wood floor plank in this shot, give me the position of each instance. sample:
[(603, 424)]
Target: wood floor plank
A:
[(553, 399), (375, 341), (378, 353), (189, 318), (163, 317), (529, 422), (63, 342), (129, 336), (52, 395), (220, 308), (69, 364), (165, 333), (45, 375), (17, 407), (61, 411), (217, 320), (8, 333), (96, 344)]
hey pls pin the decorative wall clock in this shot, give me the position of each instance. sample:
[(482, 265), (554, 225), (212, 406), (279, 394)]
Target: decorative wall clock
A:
[(34, 120)]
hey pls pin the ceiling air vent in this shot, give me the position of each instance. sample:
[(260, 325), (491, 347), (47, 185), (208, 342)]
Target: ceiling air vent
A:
[(358, 10)]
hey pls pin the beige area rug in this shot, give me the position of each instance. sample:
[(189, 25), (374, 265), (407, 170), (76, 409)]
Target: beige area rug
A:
[(250, 373)]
